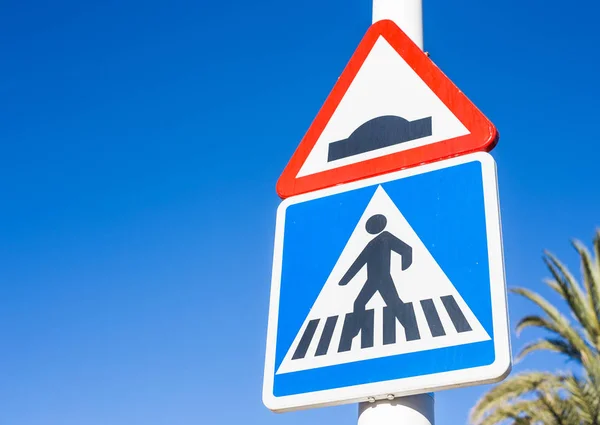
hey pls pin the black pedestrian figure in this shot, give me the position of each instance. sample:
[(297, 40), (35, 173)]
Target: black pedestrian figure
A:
[(377, 256)]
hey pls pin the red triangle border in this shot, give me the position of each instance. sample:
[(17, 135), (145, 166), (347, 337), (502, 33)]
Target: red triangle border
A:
[(483, 134)]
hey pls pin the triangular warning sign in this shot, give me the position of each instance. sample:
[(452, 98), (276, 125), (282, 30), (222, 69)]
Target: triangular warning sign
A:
[(392, 108), (385, 296)]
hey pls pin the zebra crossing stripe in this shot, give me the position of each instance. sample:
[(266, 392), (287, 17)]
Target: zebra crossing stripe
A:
[(306, 339), (456, 315), (405, 313), (325, 340), (433, 318)]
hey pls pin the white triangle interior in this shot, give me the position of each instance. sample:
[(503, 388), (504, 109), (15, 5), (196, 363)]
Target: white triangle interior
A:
[(384, 85)]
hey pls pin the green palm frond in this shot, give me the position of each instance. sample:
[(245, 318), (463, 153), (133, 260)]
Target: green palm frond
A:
[(568, 288), (544, 407), (591, 281), (584, 398), (556, 322), (520, 413), (510, 390), (550, 344), (544, 398), (597, 250)]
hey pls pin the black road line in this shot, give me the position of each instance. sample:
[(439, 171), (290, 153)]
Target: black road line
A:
[(457, 316), (405, 313), (309, 332), (326, 336), (408, 320), (433, 319)]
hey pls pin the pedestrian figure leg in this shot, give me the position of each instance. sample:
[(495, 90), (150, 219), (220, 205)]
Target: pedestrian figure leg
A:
[(360, 320), (404, 312)]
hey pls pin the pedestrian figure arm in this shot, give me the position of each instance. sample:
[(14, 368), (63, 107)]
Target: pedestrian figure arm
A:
[(404, 250), (354, 268)]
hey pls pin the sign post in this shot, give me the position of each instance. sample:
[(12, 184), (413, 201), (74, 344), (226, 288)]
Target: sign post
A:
[(417, 409), (411, 410), (407, 14)]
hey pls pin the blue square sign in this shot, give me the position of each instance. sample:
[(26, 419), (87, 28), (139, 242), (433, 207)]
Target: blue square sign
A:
[(388, 286)]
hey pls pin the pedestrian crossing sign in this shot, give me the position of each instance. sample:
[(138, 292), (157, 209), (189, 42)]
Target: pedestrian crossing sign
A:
[(388, 287)]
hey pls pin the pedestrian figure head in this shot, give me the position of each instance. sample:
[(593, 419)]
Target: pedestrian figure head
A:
[(376, 224)]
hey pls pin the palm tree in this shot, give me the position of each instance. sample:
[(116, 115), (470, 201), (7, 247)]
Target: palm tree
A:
[(559, 398)]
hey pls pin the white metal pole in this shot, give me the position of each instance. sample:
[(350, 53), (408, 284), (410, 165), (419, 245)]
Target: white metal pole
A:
[(407, 14), (416, 409), (412, 410)]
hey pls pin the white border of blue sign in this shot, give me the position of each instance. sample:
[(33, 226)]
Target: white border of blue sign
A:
[(412, 385)]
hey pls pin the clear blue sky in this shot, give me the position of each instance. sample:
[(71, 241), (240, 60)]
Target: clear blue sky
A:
[(141, 143)]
